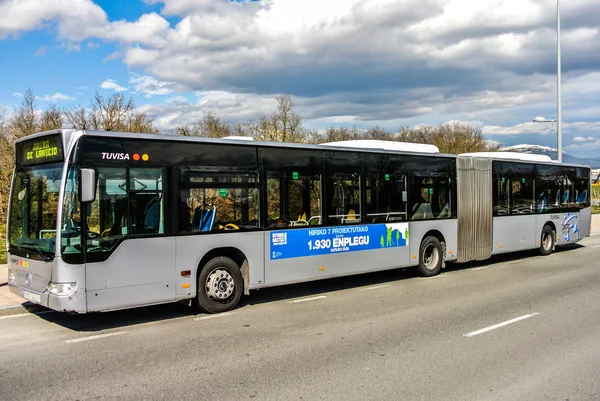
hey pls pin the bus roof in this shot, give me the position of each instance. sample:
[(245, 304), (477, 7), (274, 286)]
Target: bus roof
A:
[(237, 141), (520, 157)]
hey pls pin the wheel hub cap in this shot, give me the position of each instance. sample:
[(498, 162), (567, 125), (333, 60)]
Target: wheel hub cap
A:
[(220, 285)]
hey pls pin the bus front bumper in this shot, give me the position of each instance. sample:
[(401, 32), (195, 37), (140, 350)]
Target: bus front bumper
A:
[(74, 303)]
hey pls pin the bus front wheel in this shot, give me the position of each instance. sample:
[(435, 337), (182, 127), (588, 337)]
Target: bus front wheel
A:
[(430, 257), (220, 286), (547, 241)]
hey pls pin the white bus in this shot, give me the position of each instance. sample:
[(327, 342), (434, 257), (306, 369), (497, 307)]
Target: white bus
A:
[(101, 221)]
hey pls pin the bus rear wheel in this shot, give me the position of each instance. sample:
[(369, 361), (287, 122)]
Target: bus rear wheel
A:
[(220, 286), (430, 257), (547, 241)]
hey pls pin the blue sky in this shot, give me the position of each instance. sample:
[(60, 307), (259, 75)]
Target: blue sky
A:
[(390, 63)]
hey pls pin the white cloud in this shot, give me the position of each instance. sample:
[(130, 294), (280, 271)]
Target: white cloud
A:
[(18, 94), (582, 139), (231, 108), (93, 45), (177, 100), (82, 88), (57, 96), (591, 147), (149, 29), (112, 56), (150, 86), (111, 84), (41, 51)]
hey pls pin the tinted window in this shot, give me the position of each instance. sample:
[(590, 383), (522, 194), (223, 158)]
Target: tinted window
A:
[(552, 189), (343, 196), (107, 220), (513, 188), (430, 192), (293, 190), (213, 200), (385, 189), (146, 201)]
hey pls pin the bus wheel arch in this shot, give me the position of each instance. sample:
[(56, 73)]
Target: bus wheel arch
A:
[(547, 239), (432, 251), (222, 276)]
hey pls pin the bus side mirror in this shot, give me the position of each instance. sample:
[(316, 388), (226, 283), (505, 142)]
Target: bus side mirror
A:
[(88, 185)]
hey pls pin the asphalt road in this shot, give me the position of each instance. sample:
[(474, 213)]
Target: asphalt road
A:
[(518, 327)]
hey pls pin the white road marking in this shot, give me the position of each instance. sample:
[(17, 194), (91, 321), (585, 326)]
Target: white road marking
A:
[(297, 301), (11, 316), (376, 287), (595, 246), (496, 326), (80, 339), (595, 234), (213, 316), (432, 277)]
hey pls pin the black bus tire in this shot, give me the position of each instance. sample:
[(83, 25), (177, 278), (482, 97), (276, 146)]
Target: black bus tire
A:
[(547, 240), (430, 257), (220, 286)]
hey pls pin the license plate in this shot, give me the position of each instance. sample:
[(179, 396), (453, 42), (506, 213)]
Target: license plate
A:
[(32, 297)]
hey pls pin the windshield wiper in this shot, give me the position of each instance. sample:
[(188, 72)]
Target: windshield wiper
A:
[(36, 248)]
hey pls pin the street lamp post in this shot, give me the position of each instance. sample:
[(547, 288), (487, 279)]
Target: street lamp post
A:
[(558, 121)]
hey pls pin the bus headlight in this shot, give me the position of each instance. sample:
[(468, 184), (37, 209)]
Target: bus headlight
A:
[(11, 276), (62, 289)]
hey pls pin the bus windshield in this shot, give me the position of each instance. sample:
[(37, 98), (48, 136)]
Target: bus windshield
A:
[(34, 209)]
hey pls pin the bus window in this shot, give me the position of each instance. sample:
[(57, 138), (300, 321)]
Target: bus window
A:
[(521, 196), (385, 189), (581, 196), (430, 197), (107, 215), (294, 196), (343, 197), (385, 198), (513, 185), (293, 199), (146, 201), (548, 189), (501, 196), (218, 201)]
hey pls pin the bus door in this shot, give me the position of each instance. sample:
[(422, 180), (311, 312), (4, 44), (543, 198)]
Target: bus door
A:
[(128, 260)]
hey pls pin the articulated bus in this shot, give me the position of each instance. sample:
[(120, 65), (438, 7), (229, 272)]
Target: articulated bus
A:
[(100, 221)]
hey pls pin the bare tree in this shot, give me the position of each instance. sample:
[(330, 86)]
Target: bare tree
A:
[(25, 121), (449, 138), (283, 125), (209, 126), (50, 119), (332, 134), (113, 113), (6, 166), (77, 117)]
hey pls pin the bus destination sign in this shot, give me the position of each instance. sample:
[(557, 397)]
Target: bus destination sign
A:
[(40, 150)]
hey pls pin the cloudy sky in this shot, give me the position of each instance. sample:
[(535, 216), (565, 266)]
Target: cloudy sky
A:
[(391, 63)]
